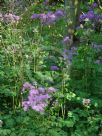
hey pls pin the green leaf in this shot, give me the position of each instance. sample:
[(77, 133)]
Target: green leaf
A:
[(69, 123)]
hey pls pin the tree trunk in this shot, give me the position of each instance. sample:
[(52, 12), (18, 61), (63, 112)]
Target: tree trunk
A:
[(72, 8)]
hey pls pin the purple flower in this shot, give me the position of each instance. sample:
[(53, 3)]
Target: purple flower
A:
[(16, 18), (94, 5), (37, 98), (25, 105), (49, 13), (35, 16), (38, 108), (66, 40), (10, 18), (83, 17), (43, 97), (98, 17), (70, 53), (59, 13), (33, 92), (46, 2), (54, 68), (90, 15), (51, 18), (41, 90), (26, 86), (97, 47), (36, 102), (99, 60), (43, 18), (51, 90)]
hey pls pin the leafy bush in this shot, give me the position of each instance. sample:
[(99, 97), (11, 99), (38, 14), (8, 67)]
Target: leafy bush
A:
[(41, 56)]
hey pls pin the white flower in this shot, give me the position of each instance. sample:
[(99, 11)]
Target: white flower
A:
[(86, 101), (87, 19), (1, 123)]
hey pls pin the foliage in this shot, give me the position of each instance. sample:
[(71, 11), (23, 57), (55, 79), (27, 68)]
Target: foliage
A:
[(41, 56)]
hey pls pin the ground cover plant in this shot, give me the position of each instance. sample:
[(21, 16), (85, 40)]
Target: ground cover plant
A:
[(51, 68)]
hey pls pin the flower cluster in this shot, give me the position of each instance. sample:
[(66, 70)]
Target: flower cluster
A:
[(66, 40), (54, 68), (49, 18), (70, 53), (90, 15), (97, 47), (94, 5), (86, 102), (99, 60), (9, 18), (46, 2), (37, 98)]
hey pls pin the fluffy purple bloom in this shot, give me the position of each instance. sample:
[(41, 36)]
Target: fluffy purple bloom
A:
[(43, 17), (51, 90), (10, 18), (70, 53), (94, 5), (54, 68), (98, 17), (97, 61), (33, 92), (66, 40), (26, 86), (36, 102), (41, 90), (46, 2), (90, 15), (16, 18), (26, 105), (51, 18), (97, 47), (39, 107), (49, 13), (47, 19), (83, 17), (35, 16), (43, 97), (37, 98), (59, 13)]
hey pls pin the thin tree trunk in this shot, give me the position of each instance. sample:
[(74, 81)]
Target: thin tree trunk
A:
[(72, 8)]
